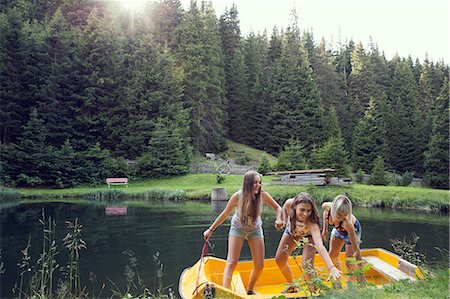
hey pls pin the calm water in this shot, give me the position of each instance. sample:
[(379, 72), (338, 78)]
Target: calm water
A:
[(175, 230)]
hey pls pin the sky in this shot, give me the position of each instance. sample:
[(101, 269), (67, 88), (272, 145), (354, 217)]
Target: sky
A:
[(420, 28)]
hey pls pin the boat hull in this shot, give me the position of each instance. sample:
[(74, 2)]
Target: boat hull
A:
[(204, 279)]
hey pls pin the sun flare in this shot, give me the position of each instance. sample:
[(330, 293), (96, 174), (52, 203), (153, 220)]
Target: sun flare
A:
[(133, 4)]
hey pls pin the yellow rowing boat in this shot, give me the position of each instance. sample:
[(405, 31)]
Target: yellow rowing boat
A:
[(205, 277)]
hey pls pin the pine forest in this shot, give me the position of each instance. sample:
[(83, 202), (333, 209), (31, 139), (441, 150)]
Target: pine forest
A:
[(86, 86)]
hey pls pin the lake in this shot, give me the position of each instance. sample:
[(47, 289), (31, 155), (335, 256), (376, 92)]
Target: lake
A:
[(175, 231)]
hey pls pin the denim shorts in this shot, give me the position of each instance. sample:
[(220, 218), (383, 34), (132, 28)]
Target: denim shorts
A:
[(344, 236), (246, 233)]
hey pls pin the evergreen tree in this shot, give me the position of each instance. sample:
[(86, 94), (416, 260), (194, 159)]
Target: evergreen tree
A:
[(13, 101), (264, 165), (332, 128), (378, 176), (255, 48), (235, 80), (154, 91), (367, 141), (198, 50), (362, 86), (296, 109), (331, 154), (404, 131), (239, 105), (292, 157), (165, 17), (102, 60), (437, 154), (58, 97), (98, 164), (329, 81), (275, 47), (167, 153), (27, 162)]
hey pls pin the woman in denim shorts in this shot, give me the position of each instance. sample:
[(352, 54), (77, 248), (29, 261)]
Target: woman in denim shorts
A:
[(246, 224), (346, 230)]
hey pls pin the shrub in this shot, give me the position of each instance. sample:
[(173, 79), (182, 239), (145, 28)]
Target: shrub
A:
[(378, 176), (359, 176), (264, 165)]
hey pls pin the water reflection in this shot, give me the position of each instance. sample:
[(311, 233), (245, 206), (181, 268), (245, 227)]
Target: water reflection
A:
[(175, 230)]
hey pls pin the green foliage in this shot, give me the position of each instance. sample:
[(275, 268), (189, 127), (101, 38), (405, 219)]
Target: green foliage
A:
[(378, 176), (367, 141), (292, 157), (296, 109), (38, 280), (359, 176), (220, 178), (198, 51), (168, 153), (406, 179), (404, 125), (92, 78), (407, 250), (437, 154), (331, 154), (264, 165)]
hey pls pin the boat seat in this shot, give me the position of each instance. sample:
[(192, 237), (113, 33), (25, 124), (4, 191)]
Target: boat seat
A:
[(237, 285), (392, 273)]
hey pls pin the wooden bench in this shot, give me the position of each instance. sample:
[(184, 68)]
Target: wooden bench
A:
[(117, 181)]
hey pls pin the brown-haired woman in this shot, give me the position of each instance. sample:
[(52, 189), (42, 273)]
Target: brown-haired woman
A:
[(302, 222), (246, 224)]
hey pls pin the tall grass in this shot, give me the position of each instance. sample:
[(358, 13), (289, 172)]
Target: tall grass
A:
[(37, 280), (8, 193)]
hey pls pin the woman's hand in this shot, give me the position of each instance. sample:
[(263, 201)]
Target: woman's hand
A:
[(325, 236), (207, 234), (279, 224), (357, 255), (335, 273)]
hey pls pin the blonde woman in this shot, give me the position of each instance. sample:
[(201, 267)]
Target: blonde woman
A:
[(346, 229), (246, 224)]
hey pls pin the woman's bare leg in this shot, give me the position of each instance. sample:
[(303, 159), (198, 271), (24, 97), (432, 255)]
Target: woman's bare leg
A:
[(308, 253), (336, 245), (284, 250), (234, 252), (257, 250)]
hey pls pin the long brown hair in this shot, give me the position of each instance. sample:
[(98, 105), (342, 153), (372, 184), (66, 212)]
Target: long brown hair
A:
[(303, 198), (249, 202)]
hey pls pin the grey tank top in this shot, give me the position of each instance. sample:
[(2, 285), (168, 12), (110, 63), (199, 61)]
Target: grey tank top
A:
[(235, 221)]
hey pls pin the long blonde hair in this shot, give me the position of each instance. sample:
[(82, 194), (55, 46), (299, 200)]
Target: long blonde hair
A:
[(341, 205), (249, 202)]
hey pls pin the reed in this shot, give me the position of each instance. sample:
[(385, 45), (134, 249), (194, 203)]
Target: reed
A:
[(74, 244)]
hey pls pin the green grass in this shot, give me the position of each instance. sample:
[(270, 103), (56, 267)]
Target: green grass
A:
[(435, 286), (239, 153), (198, 186), (237, 150)]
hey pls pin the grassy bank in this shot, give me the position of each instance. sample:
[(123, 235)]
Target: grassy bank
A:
[(198, 187), (435, 286)]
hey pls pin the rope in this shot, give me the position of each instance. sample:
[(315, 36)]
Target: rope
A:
[(204, 253)]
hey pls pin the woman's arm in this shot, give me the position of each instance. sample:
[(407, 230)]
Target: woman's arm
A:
[(326, 210), (287, 206), (315, 232), (222, 216), (348, 225), (279, 223)]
